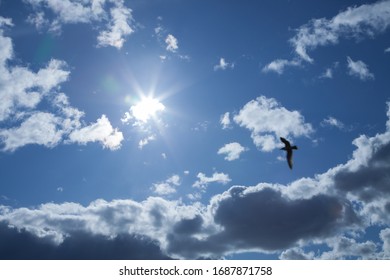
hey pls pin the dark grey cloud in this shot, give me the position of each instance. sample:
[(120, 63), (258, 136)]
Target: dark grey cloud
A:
[(21, 244), (189, 226), (266, 220), (262, 219), (369, 181)]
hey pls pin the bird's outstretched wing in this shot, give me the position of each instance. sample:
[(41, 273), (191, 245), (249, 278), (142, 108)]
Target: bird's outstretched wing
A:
[(285, 141)]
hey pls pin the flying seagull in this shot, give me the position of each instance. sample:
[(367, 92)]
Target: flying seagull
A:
[(288, 148)]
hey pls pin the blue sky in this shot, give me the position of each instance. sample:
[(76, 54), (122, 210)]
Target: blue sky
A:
[(150, 129)]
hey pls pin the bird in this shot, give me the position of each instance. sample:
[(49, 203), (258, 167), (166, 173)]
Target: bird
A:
[(288, 148)]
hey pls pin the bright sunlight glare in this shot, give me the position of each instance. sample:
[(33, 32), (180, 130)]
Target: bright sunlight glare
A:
[(147, 108)]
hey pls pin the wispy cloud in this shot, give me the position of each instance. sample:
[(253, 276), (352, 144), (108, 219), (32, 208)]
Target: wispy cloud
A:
[(362, 21), (279, 65), (332, 122), (145, 141), (223, 65), (118, 28), (225, 121), (328, 74), (232, 151), (169, 42), (114, 14), (268, 120), (217, 177), (359, 69)]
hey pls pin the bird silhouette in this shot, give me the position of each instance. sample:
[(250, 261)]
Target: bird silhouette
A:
[(288, 148)]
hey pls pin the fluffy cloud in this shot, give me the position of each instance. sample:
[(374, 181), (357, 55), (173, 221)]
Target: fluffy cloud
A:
[(40, 128), (22, 88), (217, 177), (172, 43), (24, 122), (359, 69), (61, 225), (365, 20), (101, 131), (268, 120), (118, 20), (168, 186), (223, 65), (232, 151)]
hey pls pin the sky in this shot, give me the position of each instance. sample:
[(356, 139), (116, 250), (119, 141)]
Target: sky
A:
[(150, 129)]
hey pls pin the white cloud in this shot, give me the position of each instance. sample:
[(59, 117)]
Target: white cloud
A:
[(25, 89), (5, 21), (365, 20), (387, 50), (172, 43), (145, 141), (168, 186), (331, 121), (359, 69), (100, 131), (328, 74), (24, 122), (223, 65), (296, 254), (114, 13), (38, 19), (225, 121), (118, 28), (217, 177), (343, 247), (232, 151), (268, 120), (279, 65), (40, 128)]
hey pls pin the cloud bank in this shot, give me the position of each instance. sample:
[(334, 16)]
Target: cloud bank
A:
[(332, 209)]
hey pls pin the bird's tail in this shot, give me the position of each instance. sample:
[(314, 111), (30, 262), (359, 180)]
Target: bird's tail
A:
[(294, 147)]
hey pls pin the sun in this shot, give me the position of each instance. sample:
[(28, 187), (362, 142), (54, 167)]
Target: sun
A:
[(146, 109)]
